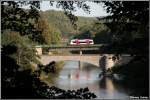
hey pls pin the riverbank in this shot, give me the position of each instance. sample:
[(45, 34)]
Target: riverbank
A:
[(57, 93), (50, 77), (134, 75)]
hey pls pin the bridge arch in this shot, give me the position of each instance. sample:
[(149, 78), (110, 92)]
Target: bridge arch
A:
[(92, 59)]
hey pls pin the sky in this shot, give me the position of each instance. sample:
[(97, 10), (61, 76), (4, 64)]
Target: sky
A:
[(96, 9)]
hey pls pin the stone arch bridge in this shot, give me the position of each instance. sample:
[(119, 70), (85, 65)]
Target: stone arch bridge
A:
[(89, 58), (92, 59)]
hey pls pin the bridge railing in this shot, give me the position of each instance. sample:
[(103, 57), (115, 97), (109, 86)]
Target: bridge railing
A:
[(69, 46), (48, 48)]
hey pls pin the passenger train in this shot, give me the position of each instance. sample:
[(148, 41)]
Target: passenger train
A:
[(81, 42)]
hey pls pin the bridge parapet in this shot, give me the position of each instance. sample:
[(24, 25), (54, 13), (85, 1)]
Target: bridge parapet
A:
[(80, 48)]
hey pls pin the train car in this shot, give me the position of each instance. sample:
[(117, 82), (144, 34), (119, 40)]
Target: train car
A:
[(81, 42)]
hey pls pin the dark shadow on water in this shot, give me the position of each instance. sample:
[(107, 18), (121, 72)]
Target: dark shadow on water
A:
[(102, 83)]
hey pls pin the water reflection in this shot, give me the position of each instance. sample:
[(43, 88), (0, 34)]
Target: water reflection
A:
[(109, 90), (74, 76)]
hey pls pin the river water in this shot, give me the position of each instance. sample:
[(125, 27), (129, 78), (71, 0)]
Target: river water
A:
[(75, 75)]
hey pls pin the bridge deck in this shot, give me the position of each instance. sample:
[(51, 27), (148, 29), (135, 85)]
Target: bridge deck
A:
[(70, 46)]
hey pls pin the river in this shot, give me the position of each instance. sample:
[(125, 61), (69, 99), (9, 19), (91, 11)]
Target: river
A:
[(75, 75)]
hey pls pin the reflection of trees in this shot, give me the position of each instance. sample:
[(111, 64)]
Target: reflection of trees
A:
[(106, 83), (102, 63), (103, 83)]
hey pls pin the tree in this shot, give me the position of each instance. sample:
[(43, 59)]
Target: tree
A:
[(44, 31), (48, 33), (17, 19), (69, 7), (24, 53), (17, 55), (129, 24), (99, 32), (102, 37), (129, 27), (85, 35), (56, 36), (102, 33), (17, 58)]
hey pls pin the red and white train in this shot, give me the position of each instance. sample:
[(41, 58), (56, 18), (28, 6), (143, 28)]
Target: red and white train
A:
[(81, 41)]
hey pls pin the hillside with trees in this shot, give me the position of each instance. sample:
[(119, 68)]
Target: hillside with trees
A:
[(60, 21), (87, 27)]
